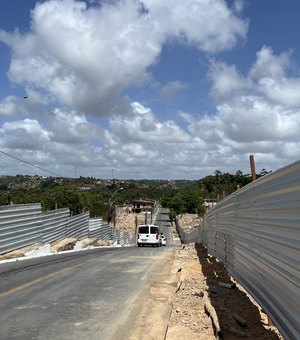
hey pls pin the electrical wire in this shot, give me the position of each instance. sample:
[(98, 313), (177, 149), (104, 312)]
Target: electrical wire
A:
[(35, 166)]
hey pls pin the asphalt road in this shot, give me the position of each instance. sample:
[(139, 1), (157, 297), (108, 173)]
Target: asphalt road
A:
[(162, 220), (80, 295)]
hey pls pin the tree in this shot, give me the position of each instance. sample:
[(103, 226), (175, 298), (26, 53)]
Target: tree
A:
[(263, 172), (176, 204), (61, 197)]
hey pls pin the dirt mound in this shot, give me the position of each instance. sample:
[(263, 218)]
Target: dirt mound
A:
[(20, 252), (208, 300), (188, 319), (62, 245), (188, 222), (127, 222)]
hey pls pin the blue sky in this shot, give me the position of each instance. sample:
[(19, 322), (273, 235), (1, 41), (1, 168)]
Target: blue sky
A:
[(168, 90)]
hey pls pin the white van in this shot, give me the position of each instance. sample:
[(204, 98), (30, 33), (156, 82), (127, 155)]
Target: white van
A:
[(148, 234)]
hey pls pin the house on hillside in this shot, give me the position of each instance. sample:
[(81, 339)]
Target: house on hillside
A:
[(139, 206), (209, 203)]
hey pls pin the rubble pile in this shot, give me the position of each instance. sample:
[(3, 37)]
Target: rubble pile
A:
[(189, 221), (188, 318), (62, 245), (127, 222), (101, 243)]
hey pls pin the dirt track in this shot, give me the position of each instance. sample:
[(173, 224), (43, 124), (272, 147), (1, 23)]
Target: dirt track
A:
[(200, 277), (200, 290)]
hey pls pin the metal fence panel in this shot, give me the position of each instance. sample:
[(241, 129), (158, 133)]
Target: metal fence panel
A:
[(261, 231), (193, 236), (180, 231), (256, 233), (78, 225), (132, 239), (105, 232), (20, 226), (120, 238), (55, 224), (117, 235), (98, 230), (220, 246)]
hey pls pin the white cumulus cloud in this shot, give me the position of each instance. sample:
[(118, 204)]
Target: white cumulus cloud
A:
[(84, 56), (24, 134)]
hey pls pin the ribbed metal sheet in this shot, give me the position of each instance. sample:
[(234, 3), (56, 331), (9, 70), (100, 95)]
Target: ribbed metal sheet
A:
[(24, 224), (95, 223), (121, 238), (55, 224), (182, 235), (117, 235), (124, 238), (220, 246), (105, 232), (98, 230), (195, 235), (78, 225), (260, 227), (132, 239), (20, 226)]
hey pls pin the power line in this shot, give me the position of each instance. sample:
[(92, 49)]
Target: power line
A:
[(35, 166)]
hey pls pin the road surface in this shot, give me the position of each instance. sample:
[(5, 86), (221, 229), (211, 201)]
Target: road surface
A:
[(90, 294)]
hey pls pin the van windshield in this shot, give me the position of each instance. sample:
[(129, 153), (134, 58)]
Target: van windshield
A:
[(144, 230), (153, 230)]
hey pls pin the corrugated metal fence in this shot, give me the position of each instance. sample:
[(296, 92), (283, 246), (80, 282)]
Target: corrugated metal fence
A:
[(22, 225), (256, 233), (78, 225), (100, 230), (54, 225)]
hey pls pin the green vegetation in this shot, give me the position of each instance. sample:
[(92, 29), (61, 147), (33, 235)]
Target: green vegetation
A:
[(190, 199), (81, 194), (89, 194)]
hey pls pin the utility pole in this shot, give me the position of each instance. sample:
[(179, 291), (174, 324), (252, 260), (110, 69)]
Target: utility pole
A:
[(112, 208), (252, 164)]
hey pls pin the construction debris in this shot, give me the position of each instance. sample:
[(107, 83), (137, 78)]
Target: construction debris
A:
[(128, 222), (188, 222)]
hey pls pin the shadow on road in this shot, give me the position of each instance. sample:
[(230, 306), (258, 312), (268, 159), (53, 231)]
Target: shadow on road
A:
[(166, 220)]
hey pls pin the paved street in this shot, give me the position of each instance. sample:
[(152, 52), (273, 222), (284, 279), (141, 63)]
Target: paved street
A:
[(82, 295)]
